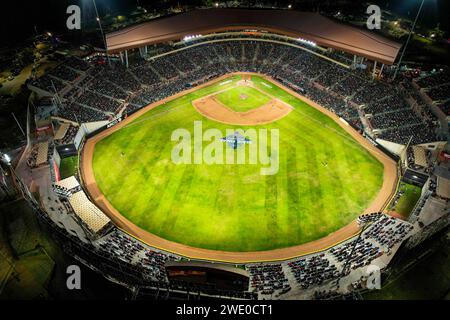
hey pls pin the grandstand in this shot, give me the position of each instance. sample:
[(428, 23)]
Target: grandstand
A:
[(91, 216), (328, 83)]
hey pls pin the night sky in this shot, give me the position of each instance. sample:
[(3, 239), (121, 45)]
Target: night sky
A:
[(19, 17), (433, 11)]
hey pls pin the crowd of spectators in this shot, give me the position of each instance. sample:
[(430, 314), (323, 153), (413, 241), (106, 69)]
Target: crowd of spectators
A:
[(332, 76), (388, 104), (68, 137), (356, 253), (150, 81), (445, 107), (434, 79), (373, 91), (418, 133), (76, 63), (437, 86), (368, 218), (268, 278), (388, 231), (63, 73), (99, 102), (141, 68), (392, 119), (382, 233), (48, 84), (67, 72), (411, 160), (350, 85), (32, 160), (313, 271), (120, 77), (131, 251), (107, 88), (78, 113), (440, 93)]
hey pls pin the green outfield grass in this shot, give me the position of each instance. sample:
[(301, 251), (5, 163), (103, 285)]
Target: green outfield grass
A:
[(408, 200), (325, 179), (241, 99)]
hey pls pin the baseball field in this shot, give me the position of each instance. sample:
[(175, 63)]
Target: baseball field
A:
[(324, 180)]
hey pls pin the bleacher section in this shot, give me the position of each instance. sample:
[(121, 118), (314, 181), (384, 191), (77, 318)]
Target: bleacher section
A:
[(91, 216)]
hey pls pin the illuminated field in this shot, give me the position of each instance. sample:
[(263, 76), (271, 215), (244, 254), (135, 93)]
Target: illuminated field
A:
[(325, 177)]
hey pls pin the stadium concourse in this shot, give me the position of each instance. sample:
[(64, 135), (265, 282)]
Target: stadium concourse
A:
[(87, 92)]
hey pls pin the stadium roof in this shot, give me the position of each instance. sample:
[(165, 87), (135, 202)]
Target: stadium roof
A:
[(306, 25)]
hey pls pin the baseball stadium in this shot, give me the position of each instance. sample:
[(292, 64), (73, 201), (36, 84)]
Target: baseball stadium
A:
[(245, 153)]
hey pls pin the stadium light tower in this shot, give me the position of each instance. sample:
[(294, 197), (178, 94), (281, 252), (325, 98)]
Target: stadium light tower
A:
[(409, 37), (101, 30)]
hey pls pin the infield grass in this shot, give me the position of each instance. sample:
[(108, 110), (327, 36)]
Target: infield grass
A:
[(242, 99), (325, 179)]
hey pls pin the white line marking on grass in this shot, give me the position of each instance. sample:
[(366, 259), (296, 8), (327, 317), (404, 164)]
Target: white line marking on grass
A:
[(265, 84), (225, 82)]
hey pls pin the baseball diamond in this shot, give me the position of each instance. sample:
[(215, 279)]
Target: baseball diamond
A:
[(328, 175)]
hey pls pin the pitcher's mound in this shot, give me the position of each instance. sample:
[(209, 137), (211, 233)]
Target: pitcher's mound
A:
[(214, 110)]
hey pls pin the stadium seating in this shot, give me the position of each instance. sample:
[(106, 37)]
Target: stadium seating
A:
[(436, 85), (382, 234), (105, 90)]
